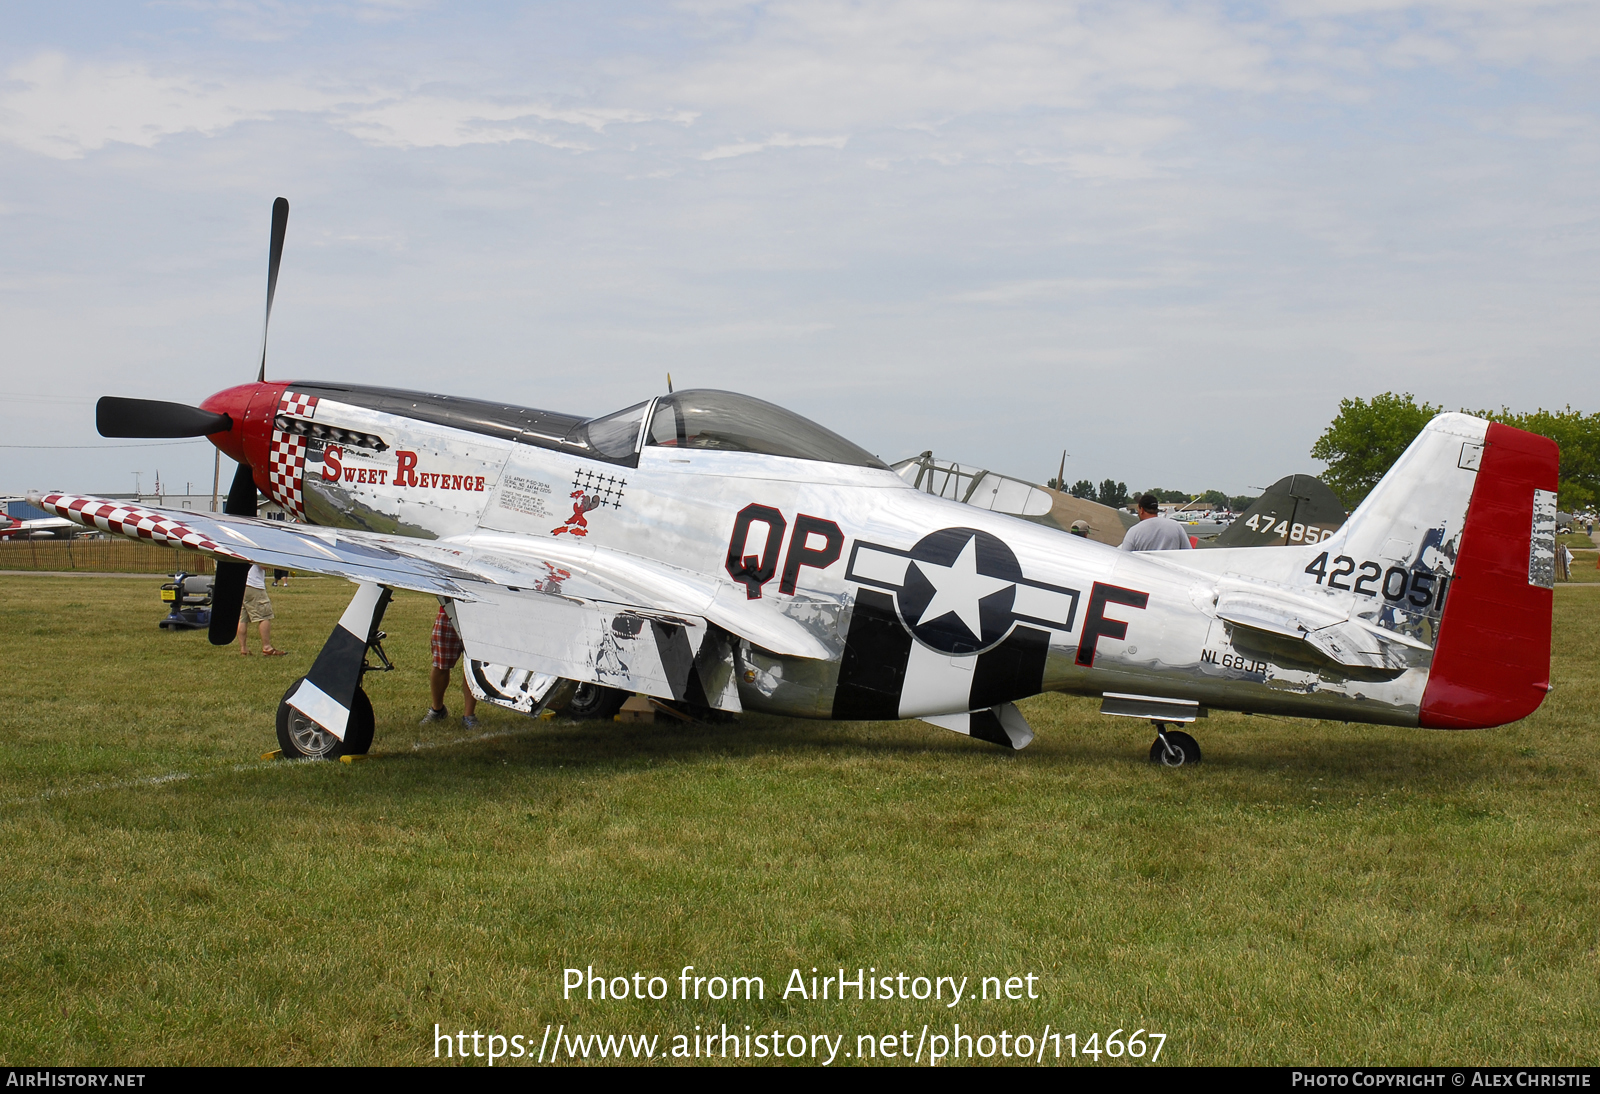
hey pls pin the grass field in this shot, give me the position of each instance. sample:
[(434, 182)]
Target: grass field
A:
[(1314, 892)]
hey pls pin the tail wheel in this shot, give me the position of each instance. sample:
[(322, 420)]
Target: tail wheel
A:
[(592, 701), (1175, 749), (301, 738)]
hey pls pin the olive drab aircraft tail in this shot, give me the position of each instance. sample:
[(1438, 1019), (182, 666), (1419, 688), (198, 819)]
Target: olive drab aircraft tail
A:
[(713, 549)]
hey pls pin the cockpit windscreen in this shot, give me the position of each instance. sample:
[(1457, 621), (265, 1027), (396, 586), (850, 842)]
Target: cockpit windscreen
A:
[(730, 422), (615, 436)]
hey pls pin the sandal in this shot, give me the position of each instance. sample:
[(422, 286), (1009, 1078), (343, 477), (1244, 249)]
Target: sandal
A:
[(274, 653)]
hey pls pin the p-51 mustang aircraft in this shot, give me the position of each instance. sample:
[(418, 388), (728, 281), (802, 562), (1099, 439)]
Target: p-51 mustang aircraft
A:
[(715, 549)]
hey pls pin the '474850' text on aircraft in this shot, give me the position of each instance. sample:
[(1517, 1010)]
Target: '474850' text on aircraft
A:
[(717, 550)]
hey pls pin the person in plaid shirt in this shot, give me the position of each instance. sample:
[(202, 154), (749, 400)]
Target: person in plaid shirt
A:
[(447, 650)]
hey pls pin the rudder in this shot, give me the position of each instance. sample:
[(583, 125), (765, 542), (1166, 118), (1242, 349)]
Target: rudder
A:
[(1491, 664)]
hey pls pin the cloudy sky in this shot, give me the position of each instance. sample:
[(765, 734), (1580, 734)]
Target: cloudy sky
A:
[(1166, 237)]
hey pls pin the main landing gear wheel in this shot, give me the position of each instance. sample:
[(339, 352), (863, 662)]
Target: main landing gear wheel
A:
[(301, 738), (1175, 748), (593, 701)]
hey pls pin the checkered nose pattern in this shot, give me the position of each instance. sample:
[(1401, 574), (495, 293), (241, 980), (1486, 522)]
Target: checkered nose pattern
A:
[(286, 456), (297, 405)]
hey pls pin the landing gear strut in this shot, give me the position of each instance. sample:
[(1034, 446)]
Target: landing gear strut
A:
[(325, 715), (1173, 748)]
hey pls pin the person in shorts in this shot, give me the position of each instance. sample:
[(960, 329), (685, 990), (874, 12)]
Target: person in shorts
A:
[(257, 609), (447, 650)]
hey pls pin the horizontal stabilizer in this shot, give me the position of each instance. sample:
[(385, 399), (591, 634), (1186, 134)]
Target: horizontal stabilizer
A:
[(1323, 624)]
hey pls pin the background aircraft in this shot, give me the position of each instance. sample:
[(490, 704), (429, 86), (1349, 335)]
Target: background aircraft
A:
[(1004, 494), (35, 528), (1295, 509), (718, 550)]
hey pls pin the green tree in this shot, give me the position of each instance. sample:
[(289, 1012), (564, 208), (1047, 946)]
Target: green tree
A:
[(1083, 488), (1364, 440), (1578, 434), (1114, 494), (1242, 502), (1361, 444), (1216, 499)]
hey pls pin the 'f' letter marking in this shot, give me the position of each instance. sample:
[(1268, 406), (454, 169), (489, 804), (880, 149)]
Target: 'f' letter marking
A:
[(1096, 625)]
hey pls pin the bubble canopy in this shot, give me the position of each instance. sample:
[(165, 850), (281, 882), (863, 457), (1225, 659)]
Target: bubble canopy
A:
[(730, 422)]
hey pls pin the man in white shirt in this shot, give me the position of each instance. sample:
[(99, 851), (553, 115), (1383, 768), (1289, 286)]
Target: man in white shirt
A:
[(1155, 532), (257, 609)]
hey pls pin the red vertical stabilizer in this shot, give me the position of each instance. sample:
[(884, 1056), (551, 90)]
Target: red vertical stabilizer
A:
[(1492, 661)]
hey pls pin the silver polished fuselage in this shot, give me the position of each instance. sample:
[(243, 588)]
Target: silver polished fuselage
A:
[(1024, 607)]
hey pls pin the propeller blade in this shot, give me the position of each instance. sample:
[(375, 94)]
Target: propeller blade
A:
[(115, 417), (242, 494), (280, 224), (227, 590), (227, 601)]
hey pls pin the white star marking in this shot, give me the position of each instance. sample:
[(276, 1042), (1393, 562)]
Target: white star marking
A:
[(958, 587)]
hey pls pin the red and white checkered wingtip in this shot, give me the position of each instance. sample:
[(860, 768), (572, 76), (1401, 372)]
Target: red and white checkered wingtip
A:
[(133, 521)]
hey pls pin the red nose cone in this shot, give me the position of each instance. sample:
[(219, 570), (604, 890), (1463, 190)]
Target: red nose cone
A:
[(232, 402)]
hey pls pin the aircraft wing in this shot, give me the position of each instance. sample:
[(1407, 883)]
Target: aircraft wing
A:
[(573, 610), (272, 543), (28, 527)]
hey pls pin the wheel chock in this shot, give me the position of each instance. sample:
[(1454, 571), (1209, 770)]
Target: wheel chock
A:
[(351, 759), (275, 754), (637, 708)]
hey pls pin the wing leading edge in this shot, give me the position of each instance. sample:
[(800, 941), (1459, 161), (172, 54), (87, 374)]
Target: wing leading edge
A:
[(569, 615), (361, 557)]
